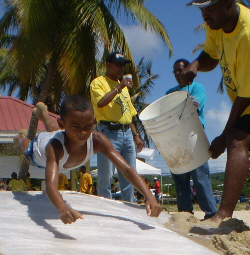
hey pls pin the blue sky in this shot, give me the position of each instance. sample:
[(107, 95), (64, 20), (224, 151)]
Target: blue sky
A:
[(179, 22)]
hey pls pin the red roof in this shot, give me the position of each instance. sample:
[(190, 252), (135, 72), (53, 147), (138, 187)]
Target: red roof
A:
[(15, 114)]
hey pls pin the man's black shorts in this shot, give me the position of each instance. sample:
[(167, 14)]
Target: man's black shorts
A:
[(243, 123)]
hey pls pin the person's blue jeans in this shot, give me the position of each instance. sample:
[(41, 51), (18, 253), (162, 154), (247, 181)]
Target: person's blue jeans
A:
[(202, 185), (157, 197), (123, 142)]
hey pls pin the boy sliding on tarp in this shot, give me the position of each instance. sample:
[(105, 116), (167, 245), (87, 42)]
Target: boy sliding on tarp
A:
[(63, 150)]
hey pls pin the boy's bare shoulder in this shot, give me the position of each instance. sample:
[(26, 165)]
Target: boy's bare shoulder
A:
[(56, 146), (100, 141), (98, 137)]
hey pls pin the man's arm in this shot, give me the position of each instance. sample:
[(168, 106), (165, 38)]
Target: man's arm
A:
[(67, 214), (103, 145), (108, 97), (203, 63), (218, 145)]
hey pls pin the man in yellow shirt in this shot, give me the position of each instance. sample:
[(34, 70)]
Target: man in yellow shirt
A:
[(16, 184), (114, 113), (85, 181), (228, 43), (62, 182)]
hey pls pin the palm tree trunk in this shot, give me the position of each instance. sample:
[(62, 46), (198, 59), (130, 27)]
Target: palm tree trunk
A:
[(48, 80)]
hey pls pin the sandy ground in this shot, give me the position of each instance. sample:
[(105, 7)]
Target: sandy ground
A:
[(231, 237)]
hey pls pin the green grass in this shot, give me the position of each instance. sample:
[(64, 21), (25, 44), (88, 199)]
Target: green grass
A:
[(173, 208)]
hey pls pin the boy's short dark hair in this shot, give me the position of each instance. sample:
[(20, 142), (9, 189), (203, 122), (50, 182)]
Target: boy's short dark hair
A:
[(75, 102)]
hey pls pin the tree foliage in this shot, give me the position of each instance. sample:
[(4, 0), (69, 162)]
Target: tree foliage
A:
[(53, 45)]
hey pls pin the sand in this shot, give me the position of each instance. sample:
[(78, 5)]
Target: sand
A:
[(230, 237)]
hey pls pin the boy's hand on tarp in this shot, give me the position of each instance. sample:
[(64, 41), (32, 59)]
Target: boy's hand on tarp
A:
[(69, 216), (153, 208)]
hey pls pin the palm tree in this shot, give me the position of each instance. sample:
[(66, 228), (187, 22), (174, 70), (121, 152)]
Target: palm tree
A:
[(61, 40), (138, 95)]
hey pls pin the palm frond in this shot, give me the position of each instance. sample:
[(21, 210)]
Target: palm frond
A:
[(199, 28), (198, 47)]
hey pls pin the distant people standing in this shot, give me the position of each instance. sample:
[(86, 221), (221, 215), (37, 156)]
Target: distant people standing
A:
[(85, 181), (193, 192), (94, 189), (63, 182), (16, 184), (148, 183), (28, 184), (157, 188), (114, 113), (117, 187), (200, 175), (3, 184), (112, 188)]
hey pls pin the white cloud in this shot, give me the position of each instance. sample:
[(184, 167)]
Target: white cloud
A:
[(216, 119), (142, 43), (219, 114), (219, 164)]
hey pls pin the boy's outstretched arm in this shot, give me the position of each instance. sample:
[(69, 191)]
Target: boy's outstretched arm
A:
[(67, 214), (102, 144)]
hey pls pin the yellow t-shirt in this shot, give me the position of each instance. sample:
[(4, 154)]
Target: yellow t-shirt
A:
[(233, 52), (17, 185), (62, 181), (149, 185), (119, 110), (85, 181), (28, 184)]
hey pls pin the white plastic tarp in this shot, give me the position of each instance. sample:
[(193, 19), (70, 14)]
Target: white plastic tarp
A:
[(30, 225)]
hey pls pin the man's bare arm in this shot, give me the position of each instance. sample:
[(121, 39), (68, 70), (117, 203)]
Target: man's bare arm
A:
[(108, 97), (203, 63), (218, 145)]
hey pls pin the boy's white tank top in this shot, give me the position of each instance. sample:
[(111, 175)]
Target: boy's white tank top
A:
[(42, 140)]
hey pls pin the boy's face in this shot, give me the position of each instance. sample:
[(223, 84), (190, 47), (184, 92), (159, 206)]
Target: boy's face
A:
[(78, 125)]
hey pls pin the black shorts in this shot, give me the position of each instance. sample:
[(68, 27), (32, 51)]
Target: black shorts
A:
[(243, 123)]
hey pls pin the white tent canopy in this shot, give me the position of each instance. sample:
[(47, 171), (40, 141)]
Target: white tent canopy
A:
[(141, 168)]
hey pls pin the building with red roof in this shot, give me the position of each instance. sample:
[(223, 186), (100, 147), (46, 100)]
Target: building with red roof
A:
[(15, 115)]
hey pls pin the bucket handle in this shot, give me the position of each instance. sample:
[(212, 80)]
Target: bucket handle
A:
[(184, 106)]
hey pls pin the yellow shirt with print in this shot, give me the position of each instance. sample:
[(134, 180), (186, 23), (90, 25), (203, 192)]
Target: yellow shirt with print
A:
[(233, 52), (119, 110)]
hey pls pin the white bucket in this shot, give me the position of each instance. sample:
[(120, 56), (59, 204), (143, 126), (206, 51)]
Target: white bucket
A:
[(173, 123)]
